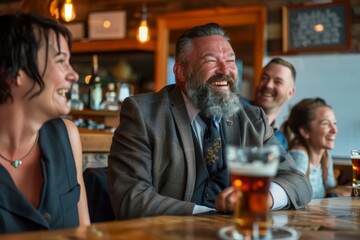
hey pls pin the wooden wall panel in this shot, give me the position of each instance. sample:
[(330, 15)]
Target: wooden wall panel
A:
[(156, 7)]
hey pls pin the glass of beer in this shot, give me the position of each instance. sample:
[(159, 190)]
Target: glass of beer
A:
[(251, 171), (355, 162)]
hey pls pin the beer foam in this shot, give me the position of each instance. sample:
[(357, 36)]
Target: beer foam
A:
[(256, 168), (254, 161)]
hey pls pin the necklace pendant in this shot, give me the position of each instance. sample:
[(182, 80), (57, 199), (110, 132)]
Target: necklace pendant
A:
[(17, 163)]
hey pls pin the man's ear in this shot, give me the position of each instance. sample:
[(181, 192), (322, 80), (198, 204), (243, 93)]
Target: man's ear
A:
[(180, 72), (304, 133), (291, 93)]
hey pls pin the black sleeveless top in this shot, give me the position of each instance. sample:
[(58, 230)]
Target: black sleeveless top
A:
[(60, 191)]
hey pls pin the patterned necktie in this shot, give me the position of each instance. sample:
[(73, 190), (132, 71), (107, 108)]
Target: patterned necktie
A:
[(212, 149)]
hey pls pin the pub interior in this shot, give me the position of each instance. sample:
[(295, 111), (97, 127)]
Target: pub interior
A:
[(258, 31)]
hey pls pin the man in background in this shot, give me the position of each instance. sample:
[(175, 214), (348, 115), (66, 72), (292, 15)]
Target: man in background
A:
[(276, 86)]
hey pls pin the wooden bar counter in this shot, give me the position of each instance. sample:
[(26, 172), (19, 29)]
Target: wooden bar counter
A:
[(330, 218), (95, 141), (109, 118)]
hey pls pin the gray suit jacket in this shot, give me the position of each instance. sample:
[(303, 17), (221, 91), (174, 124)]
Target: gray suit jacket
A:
[(152, 157)]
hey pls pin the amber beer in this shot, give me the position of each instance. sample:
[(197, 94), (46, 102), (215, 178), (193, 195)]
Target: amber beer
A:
[(355, 162), (251, 172), (252, 203)]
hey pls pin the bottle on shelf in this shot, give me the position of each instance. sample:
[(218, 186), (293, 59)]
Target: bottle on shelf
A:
[(110, 103), (75, 103), (124, 90), (95, 86)]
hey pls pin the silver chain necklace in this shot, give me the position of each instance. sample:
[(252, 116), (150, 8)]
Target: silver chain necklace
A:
[(17, 162)]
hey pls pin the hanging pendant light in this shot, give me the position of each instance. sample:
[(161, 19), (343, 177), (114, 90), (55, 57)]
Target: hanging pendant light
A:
[(143, 33), (68, 11)]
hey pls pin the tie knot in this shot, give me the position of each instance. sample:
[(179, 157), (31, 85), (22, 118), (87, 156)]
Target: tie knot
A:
[(212, 121), (206, 120)]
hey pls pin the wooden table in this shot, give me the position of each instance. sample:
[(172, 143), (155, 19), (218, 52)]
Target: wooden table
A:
[(331, 218)]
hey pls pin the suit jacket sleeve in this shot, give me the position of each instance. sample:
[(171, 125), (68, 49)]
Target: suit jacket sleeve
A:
[(296, 185), (147, 170)]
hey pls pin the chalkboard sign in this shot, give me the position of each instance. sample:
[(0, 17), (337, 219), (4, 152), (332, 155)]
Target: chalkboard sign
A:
[(316, 27)]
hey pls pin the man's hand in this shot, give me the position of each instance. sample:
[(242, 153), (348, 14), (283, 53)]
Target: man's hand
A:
[(226, 200)]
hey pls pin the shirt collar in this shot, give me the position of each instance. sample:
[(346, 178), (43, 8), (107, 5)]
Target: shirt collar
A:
[(191, 109)]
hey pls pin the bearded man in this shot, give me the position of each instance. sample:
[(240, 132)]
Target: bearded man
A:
[(157, 164)]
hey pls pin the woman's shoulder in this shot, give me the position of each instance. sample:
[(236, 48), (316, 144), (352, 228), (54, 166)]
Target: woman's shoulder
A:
[(300, 157), (298, 151), (70, 125), (60, 123), (60, 129)]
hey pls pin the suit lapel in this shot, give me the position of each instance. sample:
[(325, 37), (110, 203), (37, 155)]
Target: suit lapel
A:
[(231, 130), (182, 122)]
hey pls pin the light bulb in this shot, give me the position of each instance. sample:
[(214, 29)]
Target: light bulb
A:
[(143, 35), (68, 11)]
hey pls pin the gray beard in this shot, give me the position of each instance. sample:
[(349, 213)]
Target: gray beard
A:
[(213, 103)]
